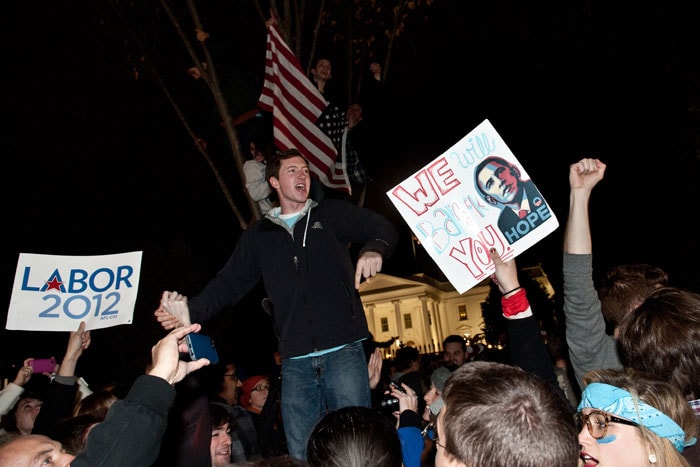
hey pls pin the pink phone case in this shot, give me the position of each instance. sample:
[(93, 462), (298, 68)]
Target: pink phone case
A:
[(43, 365)]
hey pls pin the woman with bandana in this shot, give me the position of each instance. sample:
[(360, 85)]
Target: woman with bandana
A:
[(628, 419)]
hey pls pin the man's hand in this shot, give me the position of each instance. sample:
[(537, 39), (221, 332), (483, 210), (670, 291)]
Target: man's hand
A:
[(374, 368), (165, 356), (173, 311), (176, 304), (369, 264)]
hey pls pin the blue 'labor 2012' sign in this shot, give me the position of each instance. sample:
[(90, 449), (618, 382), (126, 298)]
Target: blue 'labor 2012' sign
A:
[(56, 293)]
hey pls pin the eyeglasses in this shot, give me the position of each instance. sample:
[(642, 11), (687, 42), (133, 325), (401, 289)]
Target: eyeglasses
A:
[(597, 422), (430, 433), (261, 388), (233, 376)]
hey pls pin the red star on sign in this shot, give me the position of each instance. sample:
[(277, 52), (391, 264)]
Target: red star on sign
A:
[(54, 284)]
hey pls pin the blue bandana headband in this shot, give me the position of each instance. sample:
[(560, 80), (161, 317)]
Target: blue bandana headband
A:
[(619, 402)]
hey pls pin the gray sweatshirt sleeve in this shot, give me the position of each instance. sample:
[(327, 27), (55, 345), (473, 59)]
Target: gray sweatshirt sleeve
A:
[(590, 347)]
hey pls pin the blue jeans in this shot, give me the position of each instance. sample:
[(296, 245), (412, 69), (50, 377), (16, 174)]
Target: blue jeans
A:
[(313, 386)]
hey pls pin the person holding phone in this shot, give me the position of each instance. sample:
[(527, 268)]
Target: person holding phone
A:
[(132, 432), (37, 411), (63, 388), (43, 365), (200, 346), (10, 394)]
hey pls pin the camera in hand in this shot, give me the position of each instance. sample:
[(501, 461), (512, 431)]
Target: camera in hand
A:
[(390, 403)]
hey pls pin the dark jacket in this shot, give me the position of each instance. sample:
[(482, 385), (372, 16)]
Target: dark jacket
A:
[(308, 274), (132, 432), (58, 403), (268, 426)]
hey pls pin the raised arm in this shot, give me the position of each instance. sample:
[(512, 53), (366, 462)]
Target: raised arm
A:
[(590, 347), (62, 391), (77, 342), (12, 392), (583, 177), (255, 181), (528, 350), (133, 430)]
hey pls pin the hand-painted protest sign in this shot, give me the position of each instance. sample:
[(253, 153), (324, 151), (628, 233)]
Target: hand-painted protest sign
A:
[(56, 293), (473, 197)]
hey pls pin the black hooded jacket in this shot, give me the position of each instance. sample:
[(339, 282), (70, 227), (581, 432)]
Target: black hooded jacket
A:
[(307, 271)]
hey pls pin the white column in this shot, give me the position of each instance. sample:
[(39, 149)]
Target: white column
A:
[(371, 319)]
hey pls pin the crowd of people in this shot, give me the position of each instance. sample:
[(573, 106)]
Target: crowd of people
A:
[(456, 408), (633, 346)]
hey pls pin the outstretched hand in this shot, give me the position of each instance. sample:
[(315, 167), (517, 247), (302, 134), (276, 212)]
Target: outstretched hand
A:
[(369, 264), (165, 354), (173, 311)]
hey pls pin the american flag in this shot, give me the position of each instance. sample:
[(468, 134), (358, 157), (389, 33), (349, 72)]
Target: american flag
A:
[(296, 105)]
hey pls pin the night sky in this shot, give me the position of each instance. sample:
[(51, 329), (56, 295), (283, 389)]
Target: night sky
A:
[(97, 164)]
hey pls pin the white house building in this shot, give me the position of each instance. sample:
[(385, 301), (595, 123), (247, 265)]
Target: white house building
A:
[(422, 311)]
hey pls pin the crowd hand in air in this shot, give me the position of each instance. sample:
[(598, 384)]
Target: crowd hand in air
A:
[(78, 342), (586, 173), (505, 275), (25, 373)]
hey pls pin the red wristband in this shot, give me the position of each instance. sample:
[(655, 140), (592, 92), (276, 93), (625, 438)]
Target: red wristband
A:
[(516, 303)]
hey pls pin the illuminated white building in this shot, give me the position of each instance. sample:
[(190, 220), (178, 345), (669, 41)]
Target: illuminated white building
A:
[(422, 311)]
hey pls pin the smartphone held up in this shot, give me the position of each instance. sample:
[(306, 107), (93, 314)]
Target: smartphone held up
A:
[(43, 365), (200, 346)]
